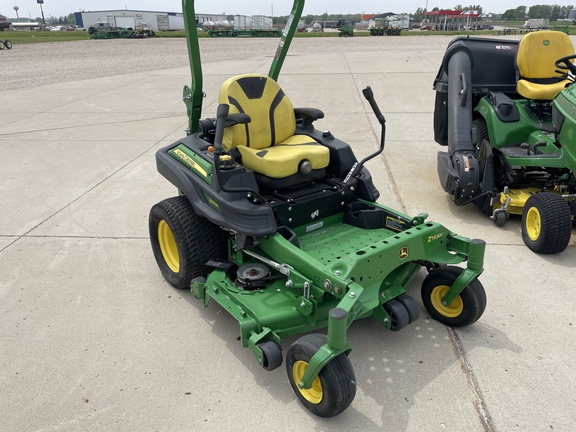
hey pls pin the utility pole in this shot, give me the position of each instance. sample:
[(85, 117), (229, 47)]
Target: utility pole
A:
[(41, 2)]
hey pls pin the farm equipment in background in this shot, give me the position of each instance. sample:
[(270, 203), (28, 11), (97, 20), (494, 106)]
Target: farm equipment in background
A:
[(383, 27), (5, 44), (511, 137), (143, 30), (345, 28), (104, 30)]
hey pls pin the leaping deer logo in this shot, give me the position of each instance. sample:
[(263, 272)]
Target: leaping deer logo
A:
[(403, 252)]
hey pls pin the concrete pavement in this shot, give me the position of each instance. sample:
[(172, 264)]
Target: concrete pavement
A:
[(93, 339)]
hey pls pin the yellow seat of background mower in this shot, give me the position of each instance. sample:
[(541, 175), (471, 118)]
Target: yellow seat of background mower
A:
[(536, 58)]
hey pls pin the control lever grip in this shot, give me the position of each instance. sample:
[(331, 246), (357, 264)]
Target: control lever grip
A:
[(221, 115), (369, 95)]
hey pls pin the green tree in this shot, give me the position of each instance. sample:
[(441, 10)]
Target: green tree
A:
[(540, 11), (555, 12), (517, 14), (476, 8), (566, 11), (419, 15)]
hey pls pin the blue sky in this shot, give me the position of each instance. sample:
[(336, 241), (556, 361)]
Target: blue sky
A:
[(251, 7)]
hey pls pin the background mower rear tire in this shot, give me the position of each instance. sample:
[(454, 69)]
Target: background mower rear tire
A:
[(546, 223)]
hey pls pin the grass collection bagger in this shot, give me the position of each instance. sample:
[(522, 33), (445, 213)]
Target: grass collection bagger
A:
[(507, 112), (278, 223)]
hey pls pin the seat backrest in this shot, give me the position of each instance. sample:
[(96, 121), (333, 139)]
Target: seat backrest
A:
[(538, 51), (271, 112)]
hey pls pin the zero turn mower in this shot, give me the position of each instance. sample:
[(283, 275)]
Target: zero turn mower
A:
[(278, 223)]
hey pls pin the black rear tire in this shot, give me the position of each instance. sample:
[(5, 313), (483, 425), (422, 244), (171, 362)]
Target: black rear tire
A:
[(481, 130), (183, 242), (7, 44), (546, 223)]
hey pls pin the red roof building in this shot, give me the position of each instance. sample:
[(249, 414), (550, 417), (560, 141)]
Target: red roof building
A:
[(451, 19)]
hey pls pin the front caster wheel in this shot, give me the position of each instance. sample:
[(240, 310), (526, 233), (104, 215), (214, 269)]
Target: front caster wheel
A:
[(332, 390), (464, 309), (546, 223), (500, 218)]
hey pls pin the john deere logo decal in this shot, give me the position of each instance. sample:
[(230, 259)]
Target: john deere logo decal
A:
[(403, 253), (546, 42)]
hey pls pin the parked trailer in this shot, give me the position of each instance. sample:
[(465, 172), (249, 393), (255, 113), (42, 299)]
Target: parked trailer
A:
[(243, 26), (537, 23), (242, 22), (261, 22)]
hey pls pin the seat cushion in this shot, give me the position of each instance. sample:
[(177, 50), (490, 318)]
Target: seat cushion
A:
[(536, 91), (283, 160)]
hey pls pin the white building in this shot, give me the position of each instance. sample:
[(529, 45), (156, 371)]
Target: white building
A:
[(158, 21)]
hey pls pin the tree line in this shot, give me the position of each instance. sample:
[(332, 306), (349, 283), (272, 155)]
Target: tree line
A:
[(552, 12)]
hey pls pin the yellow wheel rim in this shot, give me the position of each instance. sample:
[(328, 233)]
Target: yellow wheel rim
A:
[(313, 394), (168, 246), (450, 311), (533, 223)]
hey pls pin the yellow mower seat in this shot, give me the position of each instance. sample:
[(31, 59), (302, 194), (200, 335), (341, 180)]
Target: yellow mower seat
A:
[(267, 144), (537, 54)]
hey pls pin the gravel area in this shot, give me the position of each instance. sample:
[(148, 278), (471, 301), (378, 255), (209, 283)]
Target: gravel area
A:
[(33, 65)]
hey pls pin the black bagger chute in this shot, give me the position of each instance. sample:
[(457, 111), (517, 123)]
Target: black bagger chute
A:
[(471, 68)]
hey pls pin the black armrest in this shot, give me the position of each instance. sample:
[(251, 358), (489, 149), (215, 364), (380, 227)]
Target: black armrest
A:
[(238, 118), (305, 116)]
